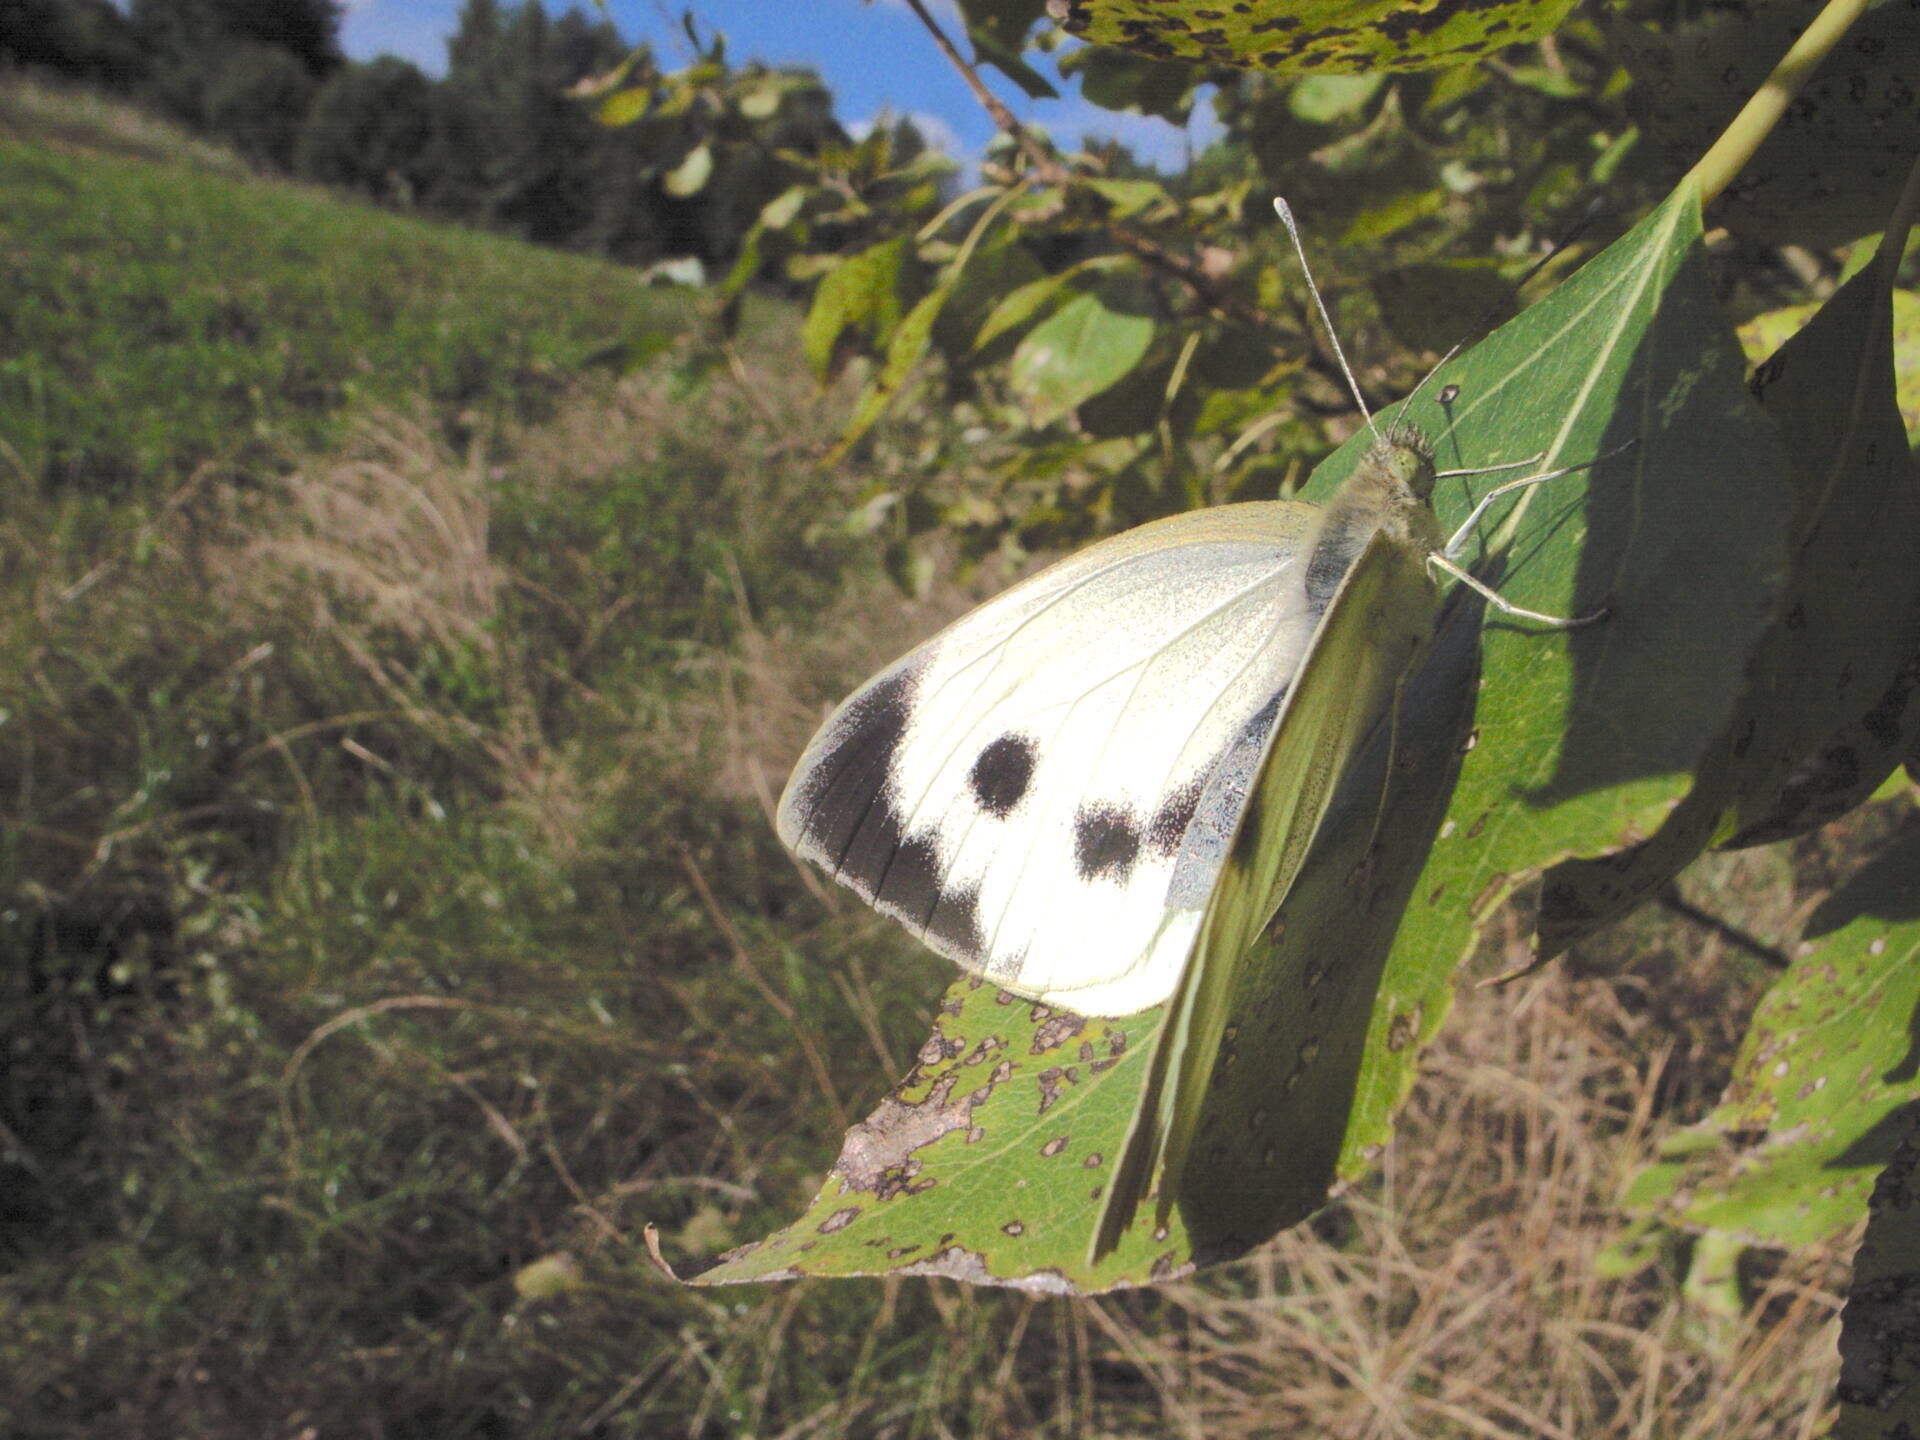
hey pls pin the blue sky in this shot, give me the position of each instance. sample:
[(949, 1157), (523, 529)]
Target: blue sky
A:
[(874, 56)]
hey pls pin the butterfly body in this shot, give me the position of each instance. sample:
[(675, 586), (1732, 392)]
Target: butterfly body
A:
[(1047, 791)]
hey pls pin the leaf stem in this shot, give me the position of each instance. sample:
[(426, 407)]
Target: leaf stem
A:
[(1893, 240), (1750, 128)]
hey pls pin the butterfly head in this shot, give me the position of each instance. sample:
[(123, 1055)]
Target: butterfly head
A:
[(1404, 460)]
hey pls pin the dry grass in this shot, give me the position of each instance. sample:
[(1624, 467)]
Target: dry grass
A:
[(1459, 1293)]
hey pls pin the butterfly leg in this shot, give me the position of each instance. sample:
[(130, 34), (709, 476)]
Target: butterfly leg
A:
[(1507, 487), (1438, 561)]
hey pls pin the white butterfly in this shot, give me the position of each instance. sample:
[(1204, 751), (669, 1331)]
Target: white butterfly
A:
[(1048, 791), (1044, 792)]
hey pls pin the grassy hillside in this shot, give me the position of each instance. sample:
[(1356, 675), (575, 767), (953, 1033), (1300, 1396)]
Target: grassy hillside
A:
[(155, 318), (391, 923)]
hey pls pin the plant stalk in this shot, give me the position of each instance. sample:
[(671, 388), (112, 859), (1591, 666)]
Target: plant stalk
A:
[(1750, 128)]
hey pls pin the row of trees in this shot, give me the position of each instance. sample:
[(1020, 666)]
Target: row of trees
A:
[(498, 142)]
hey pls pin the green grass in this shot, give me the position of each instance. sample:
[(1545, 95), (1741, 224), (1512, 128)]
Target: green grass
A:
[(154, 319), (388, 904)]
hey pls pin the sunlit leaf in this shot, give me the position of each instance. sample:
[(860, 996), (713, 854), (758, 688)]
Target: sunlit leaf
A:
[(1326, 37), (1074, 354), (690, 176)]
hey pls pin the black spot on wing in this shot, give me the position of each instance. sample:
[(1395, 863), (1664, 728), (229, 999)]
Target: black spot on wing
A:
[(1106, 842), (1169, 824), (843, 801), (1001, 774)]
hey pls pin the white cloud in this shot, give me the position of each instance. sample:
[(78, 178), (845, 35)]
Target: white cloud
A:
[(934, 129)]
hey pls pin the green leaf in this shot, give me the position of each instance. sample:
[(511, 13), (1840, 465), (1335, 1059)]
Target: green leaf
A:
[(1129, 197), (1021, 305), (862, 292), (784, 208), (1575, 737), (1330, 99), (986, 1164), (1076, 353), (623, 107), (1326, 37), (1825, 1081), (905, 350), (998, 29), (1845, 626), (1000, 268)]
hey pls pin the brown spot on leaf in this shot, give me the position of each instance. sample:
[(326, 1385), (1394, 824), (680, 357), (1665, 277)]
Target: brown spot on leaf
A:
[(1054, 1146), (1013, 1227), (838, 1220), (1055, 1030)]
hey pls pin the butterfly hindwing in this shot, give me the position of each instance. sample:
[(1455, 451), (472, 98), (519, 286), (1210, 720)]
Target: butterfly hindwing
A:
[(1379, 616), (1044, 792)]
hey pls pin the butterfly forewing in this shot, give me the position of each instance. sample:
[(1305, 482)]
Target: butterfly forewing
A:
[(1044, 792)]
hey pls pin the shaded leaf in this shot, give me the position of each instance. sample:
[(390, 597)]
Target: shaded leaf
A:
[(998, 30), (1845, 625), (1879, 1389), (1764, 334), (1428, 306), (1127, 80), (1828, 171)]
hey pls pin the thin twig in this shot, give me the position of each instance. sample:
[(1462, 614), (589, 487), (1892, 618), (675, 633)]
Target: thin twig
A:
[(1670, 898), (1048, 170)]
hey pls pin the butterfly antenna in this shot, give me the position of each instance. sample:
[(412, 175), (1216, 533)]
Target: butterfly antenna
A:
[(1406, 405), (1293, 231)]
